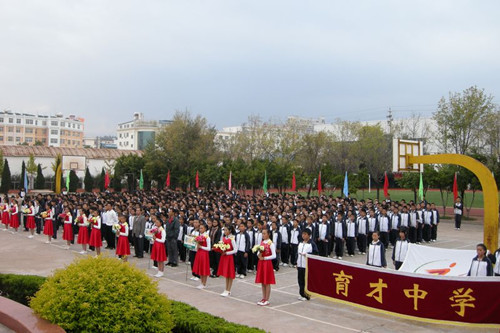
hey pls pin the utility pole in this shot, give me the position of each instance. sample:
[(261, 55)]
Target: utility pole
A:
[(389, 120)]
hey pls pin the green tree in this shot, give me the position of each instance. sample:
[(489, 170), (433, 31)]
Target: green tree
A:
[(23, 171), (100, 180), (31, 169), (88, 181), (6, 178), (312, 155), (74, 181), (184, 146), (1, 161), (40, 179), (129, 166), (442, 179), (462, 119)]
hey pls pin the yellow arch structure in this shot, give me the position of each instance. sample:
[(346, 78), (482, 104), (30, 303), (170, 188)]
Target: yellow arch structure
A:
[(490, 190)]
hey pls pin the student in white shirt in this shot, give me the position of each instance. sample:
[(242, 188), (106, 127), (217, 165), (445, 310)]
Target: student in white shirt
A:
[(496, 269), (376, 252), (305, 247), (481, 264), (400, 248)]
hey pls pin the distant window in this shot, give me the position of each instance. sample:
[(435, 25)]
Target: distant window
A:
[(36, 122), (62, 141), (62, 123), (44, 141), (29, 121), (54, 132), (1, 138), (18, 139), (18, 121), (131, 136), (53, 123), (18, 129), (1, 120), (10, 138), (11, 120), (10, 129), (44, 123), (29, 140), (53, 140), (1, 128), (28, 130)]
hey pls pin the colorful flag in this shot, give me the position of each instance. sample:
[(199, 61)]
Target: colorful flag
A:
[(67, 181), (197, 180), (264, 186), (26, 181), (455, 188), (346, 186), (386, 185), (319, 184), (168, 179), (421, 188), (294, 183), (141, 182), (229, 183), (107, 181)]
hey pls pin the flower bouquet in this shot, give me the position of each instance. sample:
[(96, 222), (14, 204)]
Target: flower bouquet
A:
[(258, 248), (116, 228), (27, 211), (92, 220), (200, 239), (81, 220), (221, 247)]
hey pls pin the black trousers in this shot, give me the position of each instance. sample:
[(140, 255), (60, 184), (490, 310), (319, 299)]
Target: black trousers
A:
[(214, 261), (182, 250), (351, 245), (384, 238), (250, 261), (426, 235), (56, 223), (139, 246), (412, 234), (192, 256), (397, 264), (419, 233), (361, 243), (458, 220), (108, 235), (293, 253), (38, 223), (393, 236), (285, 253), (241, 263), (301, 278), (339, 247), (434, 231), (323, 248)]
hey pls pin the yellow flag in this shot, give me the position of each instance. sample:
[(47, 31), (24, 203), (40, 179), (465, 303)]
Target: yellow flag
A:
[(58, 178)]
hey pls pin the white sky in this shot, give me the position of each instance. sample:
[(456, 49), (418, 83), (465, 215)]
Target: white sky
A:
[(226, 60)]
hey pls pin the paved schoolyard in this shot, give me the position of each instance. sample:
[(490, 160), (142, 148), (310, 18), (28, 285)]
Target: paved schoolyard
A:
[(285, 314)]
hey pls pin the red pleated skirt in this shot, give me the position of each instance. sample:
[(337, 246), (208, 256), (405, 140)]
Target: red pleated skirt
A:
[(68, 231), (14, 221), (265, 272), (48, 228), (83, 235), (123, 246), (158, 252), (95, 238), (30, 222), (226, 266), (5, 218), (201, 265)]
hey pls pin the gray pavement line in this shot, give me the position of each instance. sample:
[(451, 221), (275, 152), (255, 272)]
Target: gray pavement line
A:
[(317, 320), (289, 286), (468, 245), (286, 304), (276, 290)]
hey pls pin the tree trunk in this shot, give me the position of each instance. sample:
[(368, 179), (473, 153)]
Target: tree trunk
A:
[(310, 189), (471, 202)]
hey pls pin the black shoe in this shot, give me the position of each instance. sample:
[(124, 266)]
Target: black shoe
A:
[(173, 265), (139, 257)]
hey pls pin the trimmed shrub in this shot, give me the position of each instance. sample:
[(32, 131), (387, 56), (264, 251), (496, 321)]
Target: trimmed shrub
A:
[(19, 288), (189, 320), (103, 295)]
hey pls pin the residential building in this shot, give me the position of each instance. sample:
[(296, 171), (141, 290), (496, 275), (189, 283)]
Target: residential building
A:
[(137, 133), (30, 129)]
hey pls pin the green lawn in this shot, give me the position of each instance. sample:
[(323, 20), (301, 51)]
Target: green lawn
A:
[(397, 195)]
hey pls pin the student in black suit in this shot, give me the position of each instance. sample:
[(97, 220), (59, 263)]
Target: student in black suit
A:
[(243, 248), (275, 236)]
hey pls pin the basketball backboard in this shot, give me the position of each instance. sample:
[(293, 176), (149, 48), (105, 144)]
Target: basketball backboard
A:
[(401, 150)]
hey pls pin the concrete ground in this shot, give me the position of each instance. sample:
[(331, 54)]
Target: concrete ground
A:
[(286, 313)]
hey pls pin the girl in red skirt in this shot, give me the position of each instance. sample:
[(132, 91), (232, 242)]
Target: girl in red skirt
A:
[(48, 225), (202, 261), (226, 263), (83, 231), (265, 272), (14, 216), (68, 227), (123, 246), (95, 235), (30, 219), (5, 215), (158, 251)]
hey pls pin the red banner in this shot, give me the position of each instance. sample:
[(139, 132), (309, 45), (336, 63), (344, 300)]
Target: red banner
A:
[(453, 300)]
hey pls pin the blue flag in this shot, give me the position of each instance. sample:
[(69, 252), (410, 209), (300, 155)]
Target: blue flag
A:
[(346, 186), (25, 181)]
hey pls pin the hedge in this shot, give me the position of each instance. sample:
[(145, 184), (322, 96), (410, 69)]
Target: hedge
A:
[(187, 319)]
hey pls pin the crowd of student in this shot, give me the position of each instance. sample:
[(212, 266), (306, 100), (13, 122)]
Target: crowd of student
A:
[(234, 234)]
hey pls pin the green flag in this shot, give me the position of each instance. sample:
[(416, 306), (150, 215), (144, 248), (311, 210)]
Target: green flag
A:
[(421, 188), (264, 186), (67, 181), (141, 182)]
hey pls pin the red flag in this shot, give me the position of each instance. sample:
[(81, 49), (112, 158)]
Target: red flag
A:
[(168, 179), (230, 184), (319, 183), (455, 188), (386, 185), (197, 179), (106, 180), (294, 185)]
